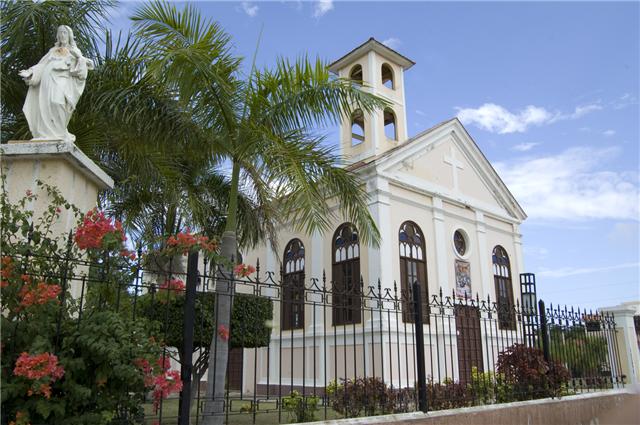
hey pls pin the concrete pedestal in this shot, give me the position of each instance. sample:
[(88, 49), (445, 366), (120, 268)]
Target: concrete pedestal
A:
[(628, 344), (58, 164)]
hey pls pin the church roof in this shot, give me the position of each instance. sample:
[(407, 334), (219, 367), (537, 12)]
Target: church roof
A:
[(397, 154), (375, 45)]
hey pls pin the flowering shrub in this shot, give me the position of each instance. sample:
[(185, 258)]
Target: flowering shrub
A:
[(160, 379), (58, 366), (99, 232), (243, 270)]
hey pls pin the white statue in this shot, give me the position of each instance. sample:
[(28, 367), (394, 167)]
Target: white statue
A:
[(55, 86)]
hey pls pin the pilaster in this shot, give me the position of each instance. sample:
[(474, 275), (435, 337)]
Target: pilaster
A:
[(441, 246)]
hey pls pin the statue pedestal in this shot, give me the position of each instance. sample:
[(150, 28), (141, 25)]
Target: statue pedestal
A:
[(58, 164)]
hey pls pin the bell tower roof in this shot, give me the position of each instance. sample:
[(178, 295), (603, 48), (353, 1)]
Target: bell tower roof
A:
[(371, 45)]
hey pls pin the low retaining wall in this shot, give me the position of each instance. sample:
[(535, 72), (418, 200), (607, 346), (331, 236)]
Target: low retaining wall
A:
[(614, 407)]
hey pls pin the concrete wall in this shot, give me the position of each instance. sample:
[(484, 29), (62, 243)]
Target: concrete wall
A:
[(605, 408)]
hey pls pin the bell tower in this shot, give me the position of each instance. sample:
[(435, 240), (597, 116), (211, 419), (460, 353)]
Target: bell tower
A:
[(380, 70)]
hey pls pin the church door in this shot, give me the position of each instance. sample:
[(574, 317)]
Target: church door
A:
[(469, 341)]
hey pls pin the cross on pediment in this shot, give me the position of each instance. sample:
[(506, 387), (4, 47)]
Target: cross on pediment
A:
[(455, 165)]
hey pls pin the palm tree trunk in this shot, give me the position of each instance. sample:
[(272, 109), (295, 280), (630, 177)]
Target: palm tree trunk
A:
[(213, 413)]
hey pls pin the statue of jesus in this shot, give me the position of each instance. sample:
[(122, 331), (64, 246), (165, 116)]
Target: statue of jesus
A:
[(55, 86)]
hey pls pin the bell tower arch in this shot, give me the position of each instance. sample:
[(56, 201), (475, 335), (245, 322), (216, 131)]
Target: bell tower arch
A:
[(380, 70)]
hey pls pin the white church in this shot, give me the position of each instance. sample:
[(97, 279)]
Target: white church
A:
[(446, 219)]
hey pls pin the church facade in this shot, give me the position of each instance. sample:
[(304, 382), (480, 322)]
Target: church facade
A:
[(446, 220)]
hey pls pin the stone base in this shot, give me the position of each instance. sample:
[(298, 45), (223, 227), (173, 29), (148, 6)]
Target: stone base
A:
[(57, 163)]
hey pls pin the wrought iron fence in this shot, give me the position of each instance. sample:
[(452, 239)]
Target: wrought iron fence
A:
[(288, 361)]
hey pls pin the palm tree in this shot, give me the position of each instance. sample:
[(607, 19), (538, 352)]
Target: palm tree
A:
[(260, 125)]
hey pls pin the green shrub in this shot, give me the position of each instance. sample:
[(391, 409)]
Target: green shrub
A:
[(490, 387), (448, 395), (368, 396), (249, 319), (300, 409)]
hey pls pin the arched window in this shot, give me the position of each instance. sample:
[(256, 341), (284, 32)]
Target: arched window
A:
[(504, 288), (387, 76), (356, 74), (346, 276), (390, 129), (357, 128), (413, 268), (293, 286)]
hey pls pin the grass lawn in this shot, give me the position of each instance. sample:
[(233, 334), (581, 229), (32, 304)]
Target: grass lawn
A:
[(267, 413)]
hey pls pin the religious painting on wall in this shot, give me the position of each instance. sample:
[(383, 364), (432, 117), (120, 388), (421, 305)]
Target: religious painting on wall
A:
[(463, 279)]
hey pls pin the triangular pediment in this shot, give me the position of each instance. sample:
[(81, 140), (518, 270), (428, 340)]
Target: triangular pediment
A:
[(447, 162)]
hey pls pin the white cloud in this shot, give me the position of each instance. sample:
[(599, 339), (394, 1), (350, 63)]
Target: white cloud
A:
[(322, 7), (421, 113), (609, 133), (250, 8), (497, 119), (623, 101), (523, 147), (392, 42), (572, 271), (581, 111), (572, 186)]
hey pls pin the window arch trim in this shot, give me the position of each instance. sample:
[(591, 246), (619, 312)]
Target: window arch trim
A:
[(413, 266), (503, 282), (293, 288), (346, 291), (387, 76)]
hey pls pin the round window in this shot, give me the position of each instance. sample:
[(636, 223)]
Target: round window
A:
[(460, 243)]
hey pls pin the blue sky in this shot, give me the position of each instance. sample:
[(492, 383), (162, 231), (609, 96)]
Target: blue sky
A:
[(549, 91)]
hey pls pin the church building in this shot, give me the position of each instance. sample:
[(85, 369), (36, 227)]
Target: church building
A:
[(446, 220)]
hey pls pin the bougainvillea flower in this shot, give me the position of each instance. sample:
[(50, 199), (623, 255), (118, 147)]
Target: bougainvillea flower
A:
[(42, 293), (243, 270), (38, 366), (223, 332), (96, 231)]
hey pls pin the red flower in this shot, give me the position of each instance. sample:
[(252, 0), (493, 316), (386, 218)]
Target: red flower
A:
[(41, 294), (223, 333), (28, 192), (96, 229), (163, 381), (243, 270), (184, 242), (172, 285), (38, 366), (6, 269), (128, 254)]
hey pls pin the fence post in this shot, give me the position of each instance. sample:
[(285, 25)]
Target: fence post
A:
[(544, 334), (422, 378), (184, 407)]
